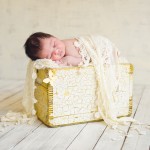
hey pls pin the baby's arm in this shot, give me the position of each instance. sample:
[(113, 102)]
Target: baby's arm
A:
[(71, 60)]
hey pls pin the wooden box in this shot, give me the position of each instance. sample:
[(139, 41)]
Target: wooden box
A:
[(69, 97)]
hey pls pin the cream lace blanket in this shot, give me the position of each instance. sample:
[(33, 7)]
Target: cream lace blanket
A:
[(102, 54)]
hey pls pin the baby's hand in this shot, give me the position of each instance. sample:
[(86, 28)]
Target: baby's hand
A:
[(69, 61), (58, 62), (62, 62)]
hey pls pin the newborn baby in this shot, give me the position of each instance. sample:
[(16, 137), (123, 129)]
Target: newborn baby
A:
[(42, 45)]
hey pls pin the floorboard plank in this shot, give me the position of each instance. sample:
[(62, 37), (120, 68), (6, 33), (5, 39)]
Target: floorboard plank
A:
[(36, 139), (7, 140), (60, 136), (10, 101), (16, 107), (22, 133), (139, 142), (10, 90), (9, 84), (75, 139), (88, 136), (13, 137), (5, 83), (106, 141)]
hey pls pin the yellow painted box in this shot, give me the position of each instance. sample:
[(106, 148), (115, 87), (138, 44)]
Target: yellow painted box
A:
[(69, 98)]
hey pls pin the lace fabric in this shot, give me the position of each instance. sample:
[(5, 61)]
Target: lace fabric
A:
[(106, 54), (83, 52), (104, 58)]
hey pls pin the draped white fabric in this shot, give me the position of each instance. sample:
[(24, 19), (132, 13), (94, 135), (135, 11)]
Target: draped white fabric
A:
[(105, 61)]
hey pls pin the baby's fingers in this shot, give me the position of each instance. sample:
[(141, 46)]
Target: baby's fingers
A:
[(58, 62)]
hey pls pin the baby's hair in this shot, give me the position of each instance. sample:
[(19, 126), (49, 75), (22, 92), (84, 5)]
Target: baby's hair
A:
[(32, 44)]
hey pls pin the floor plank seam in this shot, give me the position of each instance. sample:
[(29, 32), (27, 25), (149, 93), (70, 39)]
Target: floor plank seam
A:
[(10, 96), (133, 117), (17, 99), (76, 136), (15, 86), (7, 132), (25, 137), (57, 129), (14, 125), (99, 138), (30, 134)]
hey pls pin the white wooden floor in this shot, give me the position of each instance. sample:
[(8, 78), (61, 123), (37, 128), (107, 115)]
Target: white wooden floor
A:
[(87, 136)]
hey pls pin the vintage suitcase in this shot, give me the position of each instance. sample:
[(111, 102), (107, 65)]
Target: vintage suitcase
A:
[(69, 97)]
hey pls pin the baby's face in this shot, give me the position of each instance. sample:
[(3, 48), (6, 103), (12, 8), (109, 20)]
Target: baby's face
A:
[(52, 48)]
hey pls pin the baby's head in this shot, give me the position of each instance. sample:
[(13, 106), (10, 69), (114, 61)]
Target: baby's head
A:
[(42, 45)]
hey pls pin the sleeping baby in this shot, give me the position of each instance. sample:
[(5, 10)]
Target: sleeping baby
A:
[(68, 52), (42, 45)]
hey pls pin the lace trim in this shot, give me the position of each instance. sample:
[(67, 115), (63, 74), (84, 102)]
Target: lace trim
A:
[(83, 52)]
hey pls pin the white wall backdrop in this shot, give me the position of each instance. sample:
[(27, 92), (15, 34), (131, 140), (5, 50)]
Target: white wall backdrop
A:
[(125, 22)]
